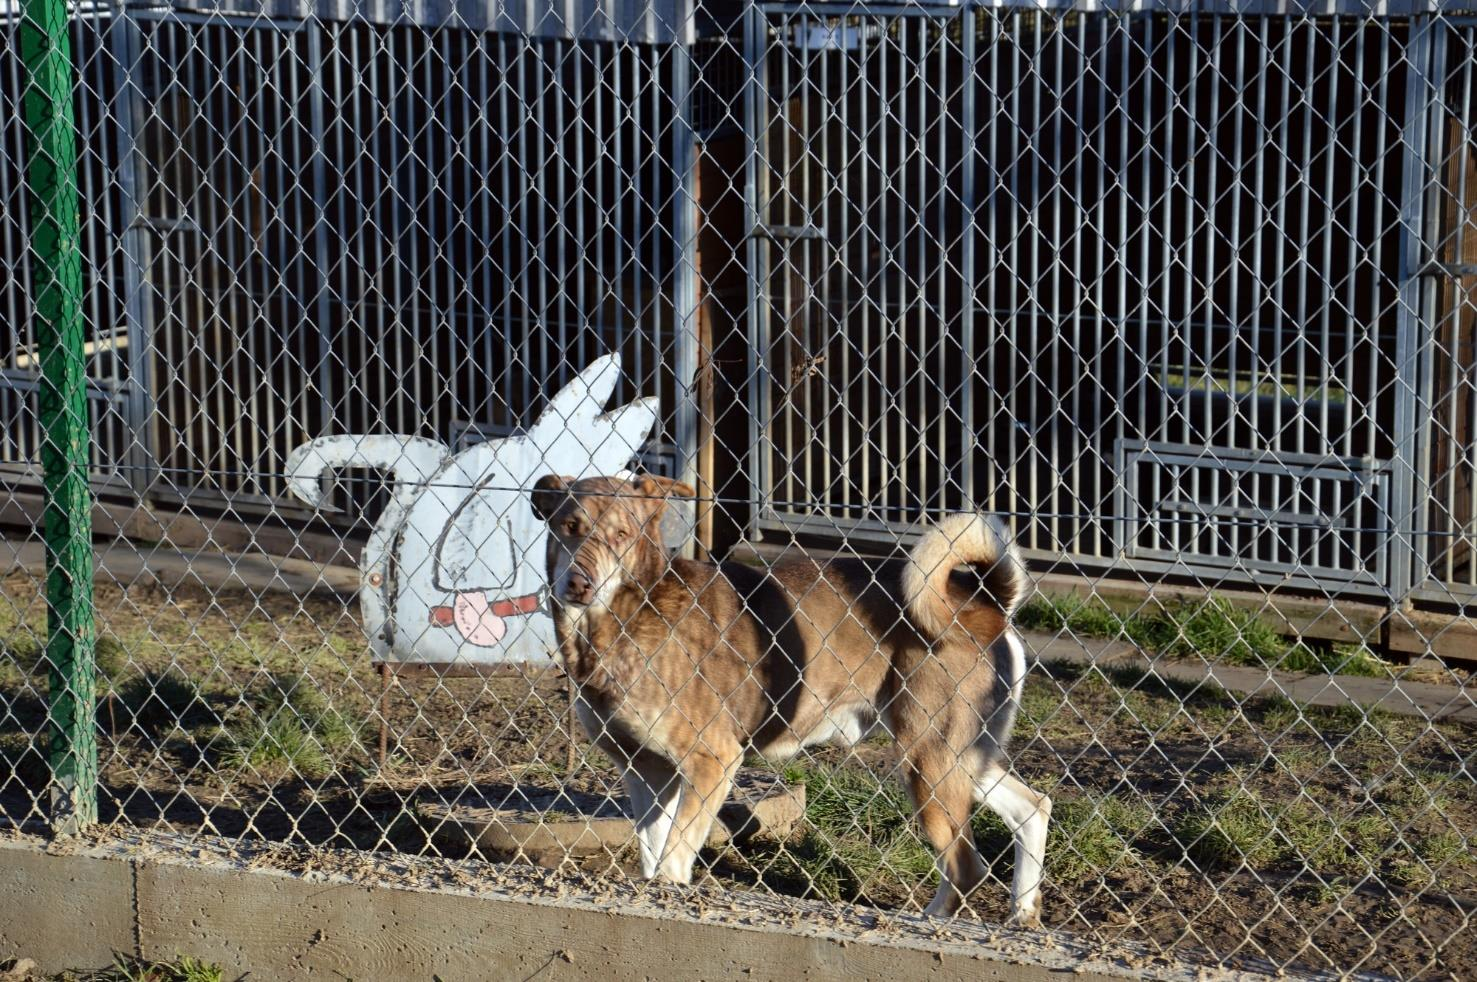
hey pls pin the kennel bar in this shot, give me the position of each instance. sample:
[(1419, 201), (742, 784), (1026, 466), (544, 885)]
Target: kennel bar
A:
[(1222, 347), (267, 102)]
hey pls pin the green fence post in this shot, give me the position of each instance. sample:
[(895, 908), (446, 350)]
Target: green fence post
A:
[(51, 174)]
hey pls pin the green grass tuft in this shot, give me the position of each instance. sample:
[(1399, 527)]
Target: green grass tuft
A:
[(859, 838), (1213, 629), (1087, 837), (1238, 828), (277, 749), (127, 968), (287, 728)]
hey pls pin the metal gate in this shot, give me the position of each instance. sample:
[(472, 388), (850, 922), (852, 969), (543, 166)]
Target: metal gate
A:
[(324, 224), (1160, 287)]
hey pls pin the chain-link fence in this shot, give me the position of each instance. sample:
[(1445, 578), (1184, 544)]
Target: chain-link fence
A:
[(431, 352)]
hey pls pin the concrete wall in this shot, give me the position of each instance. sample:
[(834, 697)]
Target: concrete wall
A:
[(73, 907)]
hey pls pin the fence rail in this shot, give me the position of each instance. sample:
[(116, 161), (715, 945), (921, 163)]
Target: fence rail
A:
[(1182, 297)]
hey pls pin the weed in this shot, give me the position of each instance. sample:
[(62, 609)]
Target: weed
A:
[(1302, 762), (111, 657), (22, 648), (1040, 704), (127, 968), (300, 696), (277, 749), (860, 838), (1279, 713), (1442, 848)]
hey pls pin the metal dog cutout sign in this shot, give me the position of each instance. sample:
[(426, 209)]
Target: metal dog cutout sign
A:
[(453, 573)]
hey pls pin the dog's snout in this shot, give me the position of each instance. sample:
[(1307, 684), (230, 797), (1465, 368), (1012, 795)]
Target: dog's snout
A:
[(580, 587)]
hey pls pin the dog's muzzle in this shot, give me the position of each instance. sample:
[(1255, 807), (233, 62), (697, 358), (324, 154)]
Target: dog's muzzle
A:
[(579, 587)]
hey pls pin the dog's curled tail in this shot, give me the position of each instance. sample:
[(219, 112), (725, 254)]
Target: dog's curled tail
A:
[(974, 540)]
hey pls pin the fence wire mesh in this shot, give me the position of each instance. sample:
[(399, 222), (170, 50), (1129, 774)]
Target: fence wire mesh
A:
[(435, 353)]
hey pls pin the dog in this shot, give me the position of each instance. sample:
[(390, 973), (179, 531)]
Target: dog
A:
[(681, 668)]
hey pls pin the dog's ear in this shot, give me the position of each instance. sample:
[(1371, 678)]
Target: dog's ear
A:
[(655, 486), (548, 495)]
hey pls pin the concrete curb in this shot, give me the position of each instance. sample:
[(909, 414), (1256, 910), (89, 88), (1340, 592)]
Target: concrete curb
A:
[(342, 914)]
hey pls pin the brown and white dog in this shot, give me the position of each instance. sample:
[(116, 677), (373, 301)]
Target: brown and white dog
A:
[(682, 667)]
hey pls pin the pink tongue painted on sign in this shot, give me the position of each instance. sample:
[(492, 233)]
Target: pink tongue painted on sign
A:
[(475, 619)]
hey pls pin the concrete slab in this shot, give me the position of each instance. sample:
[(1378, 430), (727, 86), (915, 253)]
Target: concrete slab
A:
[(1422, 700)]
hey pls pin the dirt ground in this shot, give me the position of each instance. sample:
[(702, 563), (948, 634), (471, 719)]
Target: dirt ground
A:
[(1190, 821)]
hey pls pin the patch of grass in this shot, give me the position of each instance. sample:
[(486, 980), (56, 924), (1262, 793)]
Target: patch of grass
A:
[(300, 696), (1279, 712), (111, 656), (1216, 630), (1302, 762), (1236, 829), (860, 837), (126, 968), (1205, 694), (288, 728), (277, 749), (1089, 616), (1087, 838), (1334, 659), (1040, 703), (1442, 848), (156, 701), (24, 649), (849, 800), (1213, 628), (1242, 828)]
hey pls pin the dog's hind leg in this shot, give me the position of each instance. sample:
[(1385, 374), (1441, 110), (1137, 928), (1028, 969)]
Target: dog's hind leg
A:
[(654, 788), (1026, 814), (942, 793)]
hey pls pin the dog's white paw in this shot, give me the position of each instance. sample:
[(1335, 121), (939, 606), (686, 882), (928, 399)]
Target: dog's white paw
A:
[(1028, 918)]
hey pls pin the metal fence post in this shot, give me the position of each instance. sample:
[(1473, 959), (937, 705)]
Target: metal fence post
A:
[(126, 45), (685, 285), (756, 190), (1412, 343), (52, 179)]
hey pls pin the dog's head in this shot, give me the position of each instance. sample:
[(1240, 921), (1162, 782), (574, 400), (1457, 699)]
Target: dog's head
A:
[(604, 532)]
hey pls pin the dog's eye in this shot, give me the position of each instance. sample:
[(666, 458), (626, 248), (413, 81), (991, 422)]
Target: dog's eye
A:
[(620, 535), (571, 528)]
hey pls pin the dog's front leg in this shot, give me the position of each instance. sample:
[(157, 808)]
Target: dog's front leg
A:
[(707, 779), (654, 788)]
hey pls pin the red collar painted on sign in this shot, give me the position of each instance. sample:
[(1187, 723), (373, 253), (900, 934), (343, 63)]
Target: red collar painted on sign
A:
[(527, 604)]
